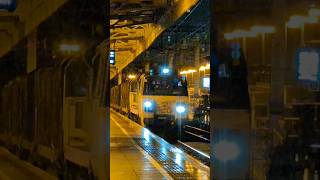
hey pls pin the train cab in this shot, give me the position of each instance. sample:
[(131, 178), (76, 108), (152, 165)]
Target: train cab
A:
[(158, 100)]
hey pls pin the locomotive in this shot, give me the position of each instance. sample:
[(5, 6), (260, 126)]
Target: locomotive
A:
[(153, 100)]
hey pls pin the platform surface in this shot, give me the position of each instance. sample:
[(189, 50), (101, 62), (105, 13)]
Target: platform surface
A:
[(136, 153)]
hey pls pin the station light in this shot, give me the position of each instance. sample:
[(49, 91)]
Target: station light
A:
[(192, 71), (203, 68), (112, 57), (183, 72), (132, 76)]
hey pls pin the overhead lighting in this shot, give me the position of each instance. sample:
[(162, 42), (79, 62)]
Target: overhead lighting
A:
[(132, 76), (183, 72), (192, 71), (202, 68)]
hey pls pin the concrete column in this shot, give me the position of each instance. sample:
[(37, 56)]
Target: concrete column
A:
[(278, 58), (32, 52)]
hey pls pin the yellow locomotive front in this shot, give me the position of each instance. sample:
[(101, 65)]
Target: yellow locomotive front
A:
[(160, 100)]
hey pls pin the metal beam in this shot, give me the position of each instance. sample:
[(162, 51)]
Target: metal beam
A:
[(152, 31)]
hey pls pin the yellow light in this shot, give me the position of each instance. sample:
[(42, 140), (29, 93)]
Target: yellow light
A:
[(183, 72), (208, 66), (192, 71), (262, 29), (202, 68), (132, 76), (314, 12)]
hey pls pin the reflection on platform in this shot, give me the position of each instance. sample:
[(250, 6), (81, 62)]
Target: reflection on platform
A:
[(137, 152)]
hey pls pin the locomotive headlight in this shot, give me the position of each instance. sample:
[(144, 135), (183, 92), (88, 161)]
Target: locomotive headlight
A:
[(181, 108), (147, 104)]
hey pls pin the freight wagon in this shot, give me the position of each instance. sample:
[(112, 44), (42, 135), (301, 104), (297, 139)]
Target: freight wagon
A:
[(55, 117)]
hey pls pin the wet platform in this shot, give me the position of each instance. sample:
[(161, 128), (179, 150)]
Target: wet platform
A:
[(136, 153), (12, 168)]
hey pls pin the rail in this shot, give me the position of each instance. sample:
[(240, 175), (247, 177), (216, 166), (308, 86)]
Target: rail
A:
[(197, 132)]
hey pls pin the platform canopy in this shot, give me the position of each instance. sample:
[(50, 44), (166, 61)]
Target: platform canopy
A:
[(135, 24)]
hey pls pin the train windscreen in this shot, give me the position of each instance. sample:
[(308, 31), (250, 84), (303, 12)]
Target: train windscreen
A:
[(165, 86)]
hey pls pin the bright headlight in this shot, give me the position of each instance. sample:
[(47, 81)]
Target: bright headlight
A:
[(181, 109), (147, 104)]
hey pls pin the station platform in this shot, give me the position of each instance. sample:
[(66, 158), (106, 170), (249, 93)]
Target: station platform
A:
[(12, 168), (137, 153)]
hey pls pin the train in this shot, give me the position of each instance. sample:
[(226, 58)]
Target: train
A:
[(55, 117), (153, 100)]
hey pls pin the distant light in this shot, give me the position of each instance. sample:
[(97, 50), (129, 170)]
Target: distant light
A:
[(147, 104), (132, 76), (165, 70), (202, 68), (192, 71), (70, 47), (183, 72), (112, 57), (181, 109), (206, 82), (226, 151)]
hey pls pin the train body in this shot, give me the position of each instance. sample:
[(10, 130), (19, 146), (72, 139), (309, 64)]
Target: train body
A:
[(55, 117), (153, 100)]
